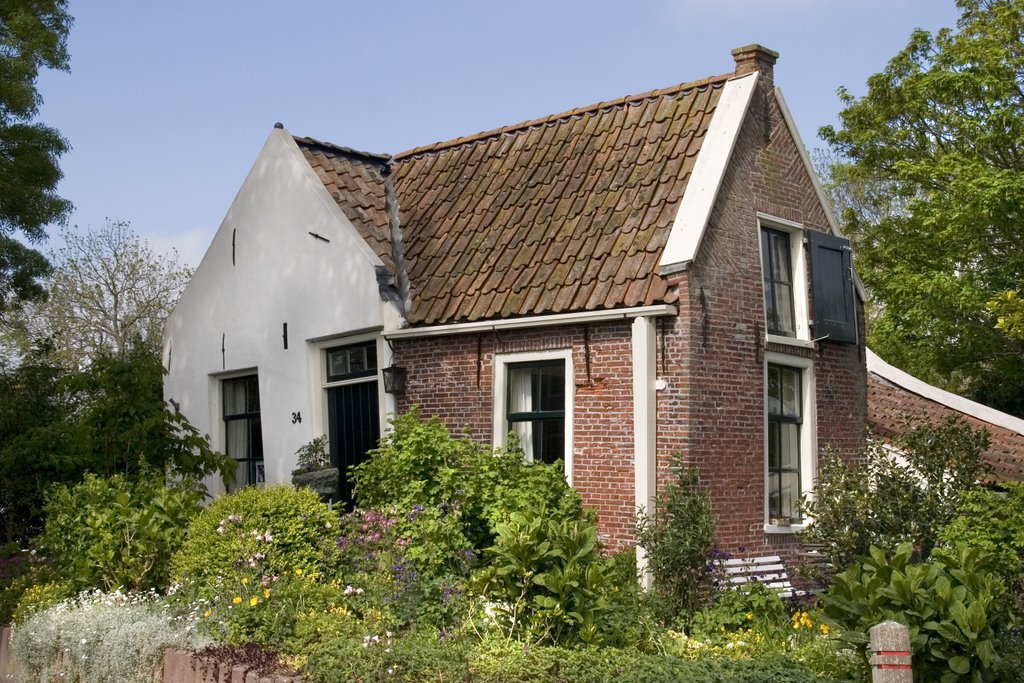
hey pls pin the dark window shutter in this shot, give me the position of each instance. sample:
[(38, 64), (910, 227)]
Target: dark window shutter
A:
[(835, 315)]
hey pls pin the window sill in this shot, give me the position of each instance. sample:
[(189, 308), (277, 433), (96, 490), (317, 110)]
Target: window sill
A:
[(791, 529), (789, 341)]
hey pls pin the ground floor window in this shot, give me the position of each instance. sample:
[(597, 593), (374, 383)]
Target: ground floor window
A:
[(536, 408), (533, 403), (785, 415), (243, 433)]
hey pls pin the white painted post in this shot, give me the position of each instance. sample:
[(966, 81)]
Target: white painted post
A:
[(644, 336), (890, 653)]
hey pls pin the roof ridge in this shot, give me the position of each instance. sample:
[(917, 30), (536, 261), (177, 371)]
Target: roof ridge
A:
[(349, 151), (552, 118)]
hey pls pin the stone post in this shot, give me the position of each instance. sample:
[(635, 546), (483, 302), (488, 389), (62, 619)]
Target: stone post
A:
[(890, 653)]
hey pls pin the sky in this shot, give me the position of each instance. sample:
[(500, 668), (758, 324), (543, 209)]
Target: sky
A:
[(167, 104)]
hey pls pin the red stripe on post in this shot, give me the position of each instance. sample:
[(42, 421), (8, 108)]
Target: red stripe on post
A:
[(893, 653), (902, 667)]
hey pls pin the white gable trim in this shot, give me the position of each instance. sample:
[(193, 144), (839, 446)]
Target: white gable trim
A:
[(992, 416), (702, 189), (826, 205), (292, 150)]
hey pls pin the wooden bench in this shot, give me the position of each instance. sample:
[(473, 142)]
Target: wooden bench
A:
[(768, 570)]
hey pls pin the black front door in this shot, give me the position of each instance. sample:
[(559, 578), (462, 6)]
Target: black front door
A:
[(354, 424)]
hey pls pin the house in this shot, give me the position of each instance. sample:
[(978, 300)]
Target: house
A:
[(897, 400), (614, 284)]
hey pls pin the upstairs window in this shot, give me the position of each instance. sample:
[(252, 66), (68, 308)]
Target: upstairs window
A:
[(242, 429), (777, 266)]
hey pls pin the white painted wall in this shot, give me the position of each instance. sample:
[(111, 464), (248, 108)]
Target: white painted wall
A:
[(281, 274)]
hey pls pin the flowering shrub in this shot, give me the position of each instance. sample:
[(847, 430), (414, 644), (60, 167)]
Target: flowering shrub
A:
[(273, 531), (751, 607), (103, 637)]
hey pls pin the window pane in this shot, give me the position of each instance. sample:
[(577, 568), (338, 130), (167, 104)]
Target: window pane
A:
[(789, 446), (780, 257), (536, 409), (791, 393), (784, 495), (783, 313), (774, 445)]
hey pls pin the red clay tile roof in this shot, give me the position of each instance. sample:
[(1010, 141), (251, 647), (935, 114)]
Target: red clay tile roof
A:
[(890, 406), (353, 179), (560, 214)]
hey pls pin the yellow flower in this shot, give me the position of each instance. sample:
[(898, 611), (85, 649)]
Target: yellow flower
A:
[(750, 616), (207, 613), (266, 593), (245, 581), (298, 572), (237, 600), (253, 601), (824, 629)]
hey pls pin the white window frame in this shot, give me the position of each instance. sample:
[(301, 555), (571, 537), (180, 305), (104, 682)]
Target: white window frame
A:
[(808, 434), (500, 426), (798, 262)]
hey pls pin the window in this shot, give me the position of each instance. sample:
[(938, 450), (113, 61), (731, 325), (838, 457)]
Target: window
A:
[(777, 266), (536, 408), (790, 442), (785, 416), (350, 362), (533, 400), (243, 434)]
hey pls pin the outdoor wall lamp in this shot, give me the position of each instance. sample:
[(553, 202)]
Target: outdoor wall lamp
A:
[(394, 379)]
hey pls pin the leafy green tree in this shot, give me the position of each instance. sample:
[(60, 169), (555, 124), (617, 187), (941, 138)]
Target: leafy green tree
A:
[(941, 133), (110, 419), (33, 35), (108, 293)]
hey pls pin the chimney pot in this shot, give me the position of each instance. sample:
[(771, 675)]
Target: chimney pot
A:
[(754, 57)]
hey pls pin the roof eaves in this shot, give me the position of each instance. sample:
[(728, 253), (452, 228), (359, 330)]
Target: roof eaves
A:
[(877, 366)]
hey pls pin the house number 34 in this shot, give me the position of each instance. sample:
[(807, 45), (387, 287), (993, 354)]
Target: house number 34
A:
[(296, 417)]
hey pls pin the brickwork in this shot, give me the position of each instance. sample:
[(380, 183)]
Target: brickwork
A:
[(453, 378), (715, 410)]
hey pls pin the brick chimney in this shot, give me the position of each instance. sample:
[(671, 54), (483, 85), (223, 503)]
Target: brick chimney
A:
[(756, 57)]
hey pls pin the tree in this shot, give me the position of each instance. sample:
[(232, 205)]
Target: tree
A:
[(55, 426), (108, 294), (941, 133), (33, 35)]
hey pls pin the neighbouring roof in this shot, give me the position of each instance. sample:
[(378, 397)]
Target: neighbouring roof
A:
[(895, 396), (566, 213)]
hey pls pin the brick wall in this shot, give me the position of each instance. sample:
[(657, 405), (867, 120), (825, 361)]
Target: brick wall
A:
[(453, 378), (715, 412)]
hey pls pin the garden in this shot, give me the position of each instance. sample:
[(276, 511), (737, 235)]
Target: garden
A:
[(464, 564)]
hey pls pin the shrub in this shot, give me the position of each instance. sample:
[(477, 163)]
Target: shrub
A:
[(884, 502), (419, 464), (993, 522), (752, 607), (417, 658), (102, 637), (549, 583), (110, 532), (275, 530), (948, 604), (678, 538), (495, 660)]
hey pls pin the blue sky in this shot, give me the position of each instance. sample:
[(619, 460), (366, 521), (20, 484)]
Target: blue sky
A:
[(168, 103)]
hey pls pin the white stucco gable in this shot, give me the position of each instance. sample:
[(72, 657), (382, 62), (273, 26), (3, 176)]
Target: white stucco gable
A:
[(285, 271)]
